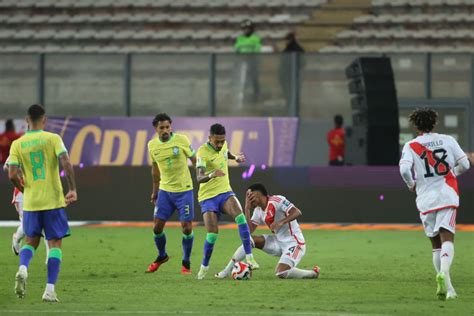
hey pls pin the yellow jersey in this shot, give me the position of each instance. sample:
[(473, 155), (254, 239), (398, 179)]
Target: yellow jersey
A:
[(37, 154), (211, 159), (172, 160)]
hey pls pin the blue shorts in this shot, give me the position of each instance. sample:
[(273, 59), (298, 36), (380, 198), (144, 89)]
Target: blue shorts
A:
[(168, 202), (53, 223), (216, 203)]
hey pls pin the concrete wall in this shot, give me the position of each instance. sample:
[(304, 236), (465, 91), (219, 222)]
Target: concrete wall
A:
[(324, 194)]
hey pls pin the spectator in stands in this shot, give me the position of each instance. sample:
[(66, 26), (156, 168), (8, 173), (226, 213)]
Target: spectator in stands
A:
[(251, 44), (335, 139), (6, 140), (292, 46), (248, 42)]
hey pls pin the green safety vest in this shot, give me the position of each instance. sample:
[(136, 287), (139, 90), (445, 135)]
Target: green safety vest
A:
[(248, 44)]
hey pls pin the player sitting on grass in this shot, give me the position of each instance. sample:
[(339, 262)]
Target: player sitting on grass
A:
[(216, 196), (436, 160), (286, 242)]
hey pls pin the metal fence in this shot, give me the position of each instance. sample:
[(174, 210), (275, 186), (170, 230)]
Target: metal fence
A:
[(311, 86)]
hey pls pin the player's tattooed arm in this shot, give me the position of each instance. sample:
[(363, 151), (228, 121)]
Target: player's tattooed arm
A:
[(14, 176), (240, 157), (293, 213), (203, 178), (156, 176), (71, 195)]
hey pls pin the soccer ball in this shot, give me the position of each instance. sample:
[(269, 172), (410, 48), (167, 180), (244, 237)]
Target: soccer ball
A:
[(241, 271)]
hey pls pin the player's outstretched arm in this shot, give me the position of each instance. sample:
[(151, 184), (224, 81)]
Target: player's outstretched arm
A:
[(71, 195), (14, 176), (156, 177), (240, 157), (293, 213)]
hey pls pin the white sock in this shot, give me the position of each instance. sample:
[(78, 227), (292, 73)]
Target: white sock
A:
[(20, 233), (239, 254), (437, 259), (295, 273), (23, 268), (447, 256), (49, 287)]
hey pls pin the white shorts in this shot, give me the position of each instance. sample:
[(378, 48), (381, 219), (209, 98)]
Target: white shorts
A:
[(290, 253), (432, 222)]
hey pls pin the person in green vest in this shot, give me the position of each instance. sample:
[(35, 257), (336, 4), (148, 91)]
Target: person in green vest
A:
[(250, 44)]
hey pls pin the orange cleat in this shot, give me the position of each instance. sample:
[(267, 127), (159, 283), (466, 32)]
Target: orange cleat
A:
[(156, 264), (185, 270)]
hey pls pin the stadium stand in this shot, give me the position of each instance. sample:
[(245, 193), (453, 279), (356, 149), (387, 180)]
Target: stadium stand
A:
[(361, 26), (402, 26), (144, 25)]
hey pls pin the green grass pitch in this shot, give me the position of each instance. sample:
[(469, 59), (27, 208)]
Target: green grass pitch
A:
[(363, 272)]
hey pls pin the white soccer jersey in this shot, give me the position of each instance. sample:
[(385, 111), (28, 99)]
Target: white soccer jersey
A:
[(277, 208), (432, 157)]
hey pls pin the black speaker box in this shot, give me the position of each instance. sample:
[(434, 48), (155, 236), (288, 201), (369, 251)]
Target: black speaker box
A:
[(370, 67), (374, 138)]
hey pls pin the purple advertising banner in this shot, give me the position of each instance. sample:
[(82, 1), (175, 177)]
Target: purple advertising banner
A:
[(123, 141)]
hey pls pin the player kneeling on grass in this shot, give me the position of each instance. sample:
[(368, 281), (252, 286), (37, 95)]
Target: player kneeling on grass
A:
[(286, 242), (436, 160)]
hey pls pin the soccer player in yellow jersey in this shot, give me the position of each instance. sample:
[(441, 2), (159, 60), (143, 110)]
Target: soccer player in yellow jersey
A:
[(38, 154), (172, 188), (216, 196)]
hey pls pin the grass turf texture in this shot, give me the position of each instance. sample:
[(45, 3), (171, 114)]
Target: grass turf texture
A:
[(363, 272)]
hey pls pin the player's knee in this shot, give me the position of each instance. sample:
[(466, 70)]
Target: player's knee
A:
[(187, 229), (157, 230)]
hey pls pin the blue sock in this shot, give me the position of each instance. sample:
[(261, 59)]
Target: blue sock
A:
[(160, 242), (187, 246), (208, 247), (54, 263), (244, 232), (26, 253)]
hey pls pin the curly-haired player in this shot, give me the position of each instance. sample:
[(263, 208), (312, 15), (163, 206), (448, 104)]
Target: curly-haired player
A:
[(436, 161)]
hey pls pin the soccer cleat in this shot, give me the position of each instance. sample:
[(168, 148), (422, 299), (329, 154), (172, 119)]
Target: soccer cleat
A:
[(15, 245), (185, 270), (50, 296), (441, 291), (253, 265), (20, 283), (451, 295), (202, 272), (156, 264), (317, 270), (186, 267), (222, 275)]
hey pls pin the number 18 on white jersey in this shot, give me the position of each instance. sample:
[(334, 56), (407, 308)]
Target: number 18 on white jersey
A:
[(432, 158)]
